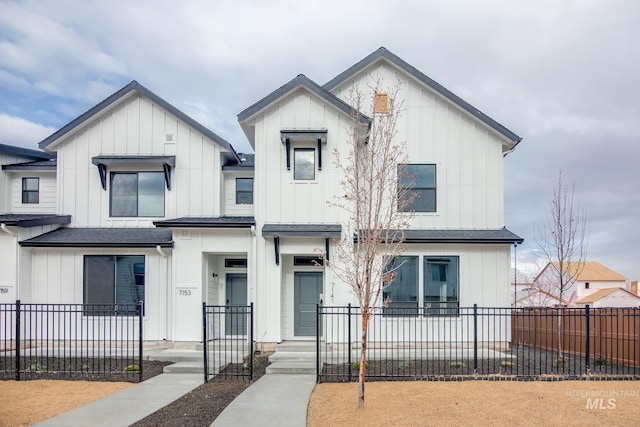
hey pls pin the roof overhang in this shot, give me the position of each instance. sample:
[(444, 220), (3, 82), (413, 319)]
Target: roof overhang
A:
[(333, 231), (34, 220), (500, 236), (102, 238), (207, 222)]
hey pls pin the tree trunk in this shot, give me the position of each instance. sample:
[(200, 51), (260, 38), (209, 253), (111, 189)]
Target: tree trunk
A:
[(363, 359)]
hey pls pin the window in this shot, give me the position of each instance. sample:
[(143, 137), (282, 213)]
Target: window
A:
[(418, 183), (235, 263), (308, 261), (403, 289), (117, 280), (137, 194), (31, 190), (441, 296), (304, 164), (586, 285), (244, 191)]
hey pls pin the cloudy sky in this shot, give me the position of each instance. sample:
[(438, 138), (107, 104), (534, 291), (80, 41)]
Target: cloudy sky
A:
[(562, 74)]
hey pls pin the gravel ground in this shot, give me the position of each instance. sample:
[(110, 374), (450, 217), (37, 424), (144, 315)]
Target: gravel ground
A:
[(201, 406)]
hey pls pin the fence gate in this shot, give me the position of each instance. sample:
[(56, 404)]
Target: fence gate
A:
[(228, 341)]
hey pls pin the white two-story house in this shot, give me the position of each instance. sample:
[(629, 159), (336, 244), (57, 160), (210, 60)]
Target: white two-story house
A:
[(162, 210)]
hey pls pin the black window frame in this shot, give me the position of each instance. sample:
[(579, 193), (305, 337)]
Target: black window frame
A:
[(243, 192), (439, 308), (397, 268), (26, 193), (295, 163), (235, 263), (114, 174), (101, 298), (408, 184)]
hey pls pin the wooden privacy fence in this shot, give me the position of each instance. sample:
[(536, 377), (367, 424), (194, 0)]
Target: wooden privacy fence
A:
[(605, 335)]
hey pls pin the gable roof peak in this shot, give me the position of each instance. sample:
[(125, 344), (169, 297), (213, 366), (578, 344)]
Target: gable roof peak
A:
[(410, 70), (122, 93)]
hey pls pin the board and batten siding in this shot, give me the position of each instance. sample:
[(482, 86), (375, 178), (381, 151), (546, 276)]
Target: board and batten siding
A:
[(47, 196), (57, 276), (468, 156), (138, 127), (6, 179), (230, 207), (279, 198)]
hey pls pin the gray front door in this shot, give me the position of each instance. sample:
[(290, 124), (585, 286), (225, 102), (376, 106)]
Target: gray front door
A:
[(307, 288), (236, 314)]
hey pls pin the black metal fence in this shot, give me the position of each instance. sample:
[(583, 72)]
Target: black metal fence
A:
[(228, 341), (71, 341), (478, 342)]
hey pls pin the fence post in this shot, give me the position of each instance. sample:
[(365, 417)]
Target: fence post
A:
[(251, 339), (475, 338), (18, 332), (587, 340), (317, 343), (349, 340), (204, 342), (140, 337)]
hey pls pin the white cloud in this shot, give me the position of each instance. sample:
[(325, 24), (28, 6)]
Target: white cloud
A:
[(22, 133)]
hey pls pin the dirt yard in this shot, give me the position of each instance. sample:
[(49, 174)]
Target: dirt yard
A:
[(477, 403), (419, 403), (25, 403)]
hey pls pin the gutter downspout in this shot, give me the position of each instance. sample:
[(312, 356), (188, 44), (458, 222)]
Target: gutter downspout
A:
[(160, 251), (4, 228)]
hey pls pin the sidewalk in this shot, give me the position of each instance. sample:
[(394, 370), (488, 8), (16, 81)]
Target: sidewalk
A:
[(125, 407), (274, 400)]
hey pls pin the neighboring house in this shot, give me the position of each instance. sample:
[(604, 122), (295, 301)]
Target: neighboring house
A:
[(162, 210), (610, 297), (521, 285), (535, 297), (586, 279)]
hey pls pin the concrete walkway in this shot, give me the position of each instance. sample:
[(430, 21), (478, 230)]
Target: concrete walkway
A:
[(274, 400), (125, 407)]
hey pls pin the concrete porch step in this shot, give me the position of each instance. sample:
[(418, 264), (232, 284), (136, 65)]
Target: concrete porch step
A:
[(292, 356), (296, 346), (292, 368), (184, 368)]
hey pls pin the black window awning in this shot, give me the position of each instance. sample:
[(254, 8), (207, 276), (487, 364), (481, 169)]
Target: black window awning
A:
[(167, 163)]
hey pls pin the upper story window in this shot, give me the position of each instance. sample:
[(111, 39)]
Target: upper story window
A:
[(244, 191), (419, 181), (137, 194), (304, 164), (31, 190)]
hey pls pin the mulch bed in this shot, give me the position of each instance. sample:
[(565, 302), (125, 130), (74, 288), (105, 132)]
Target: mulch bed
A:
[(521, 363), (201, 406), (80, 369)]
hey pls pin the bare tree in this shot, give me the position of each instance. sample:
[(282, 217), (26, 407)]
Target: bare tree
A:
[(374, 204), (562, 241)]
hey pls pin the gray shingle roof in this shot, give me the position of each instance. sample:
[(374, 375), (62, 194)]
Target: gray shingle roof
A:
[(33, 220), (208, 222), (137, 87), (302, 230), (247, 162), (300, 81), (462, 236), (40, 165), (103, 238), (25, 152), (417, 74)]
